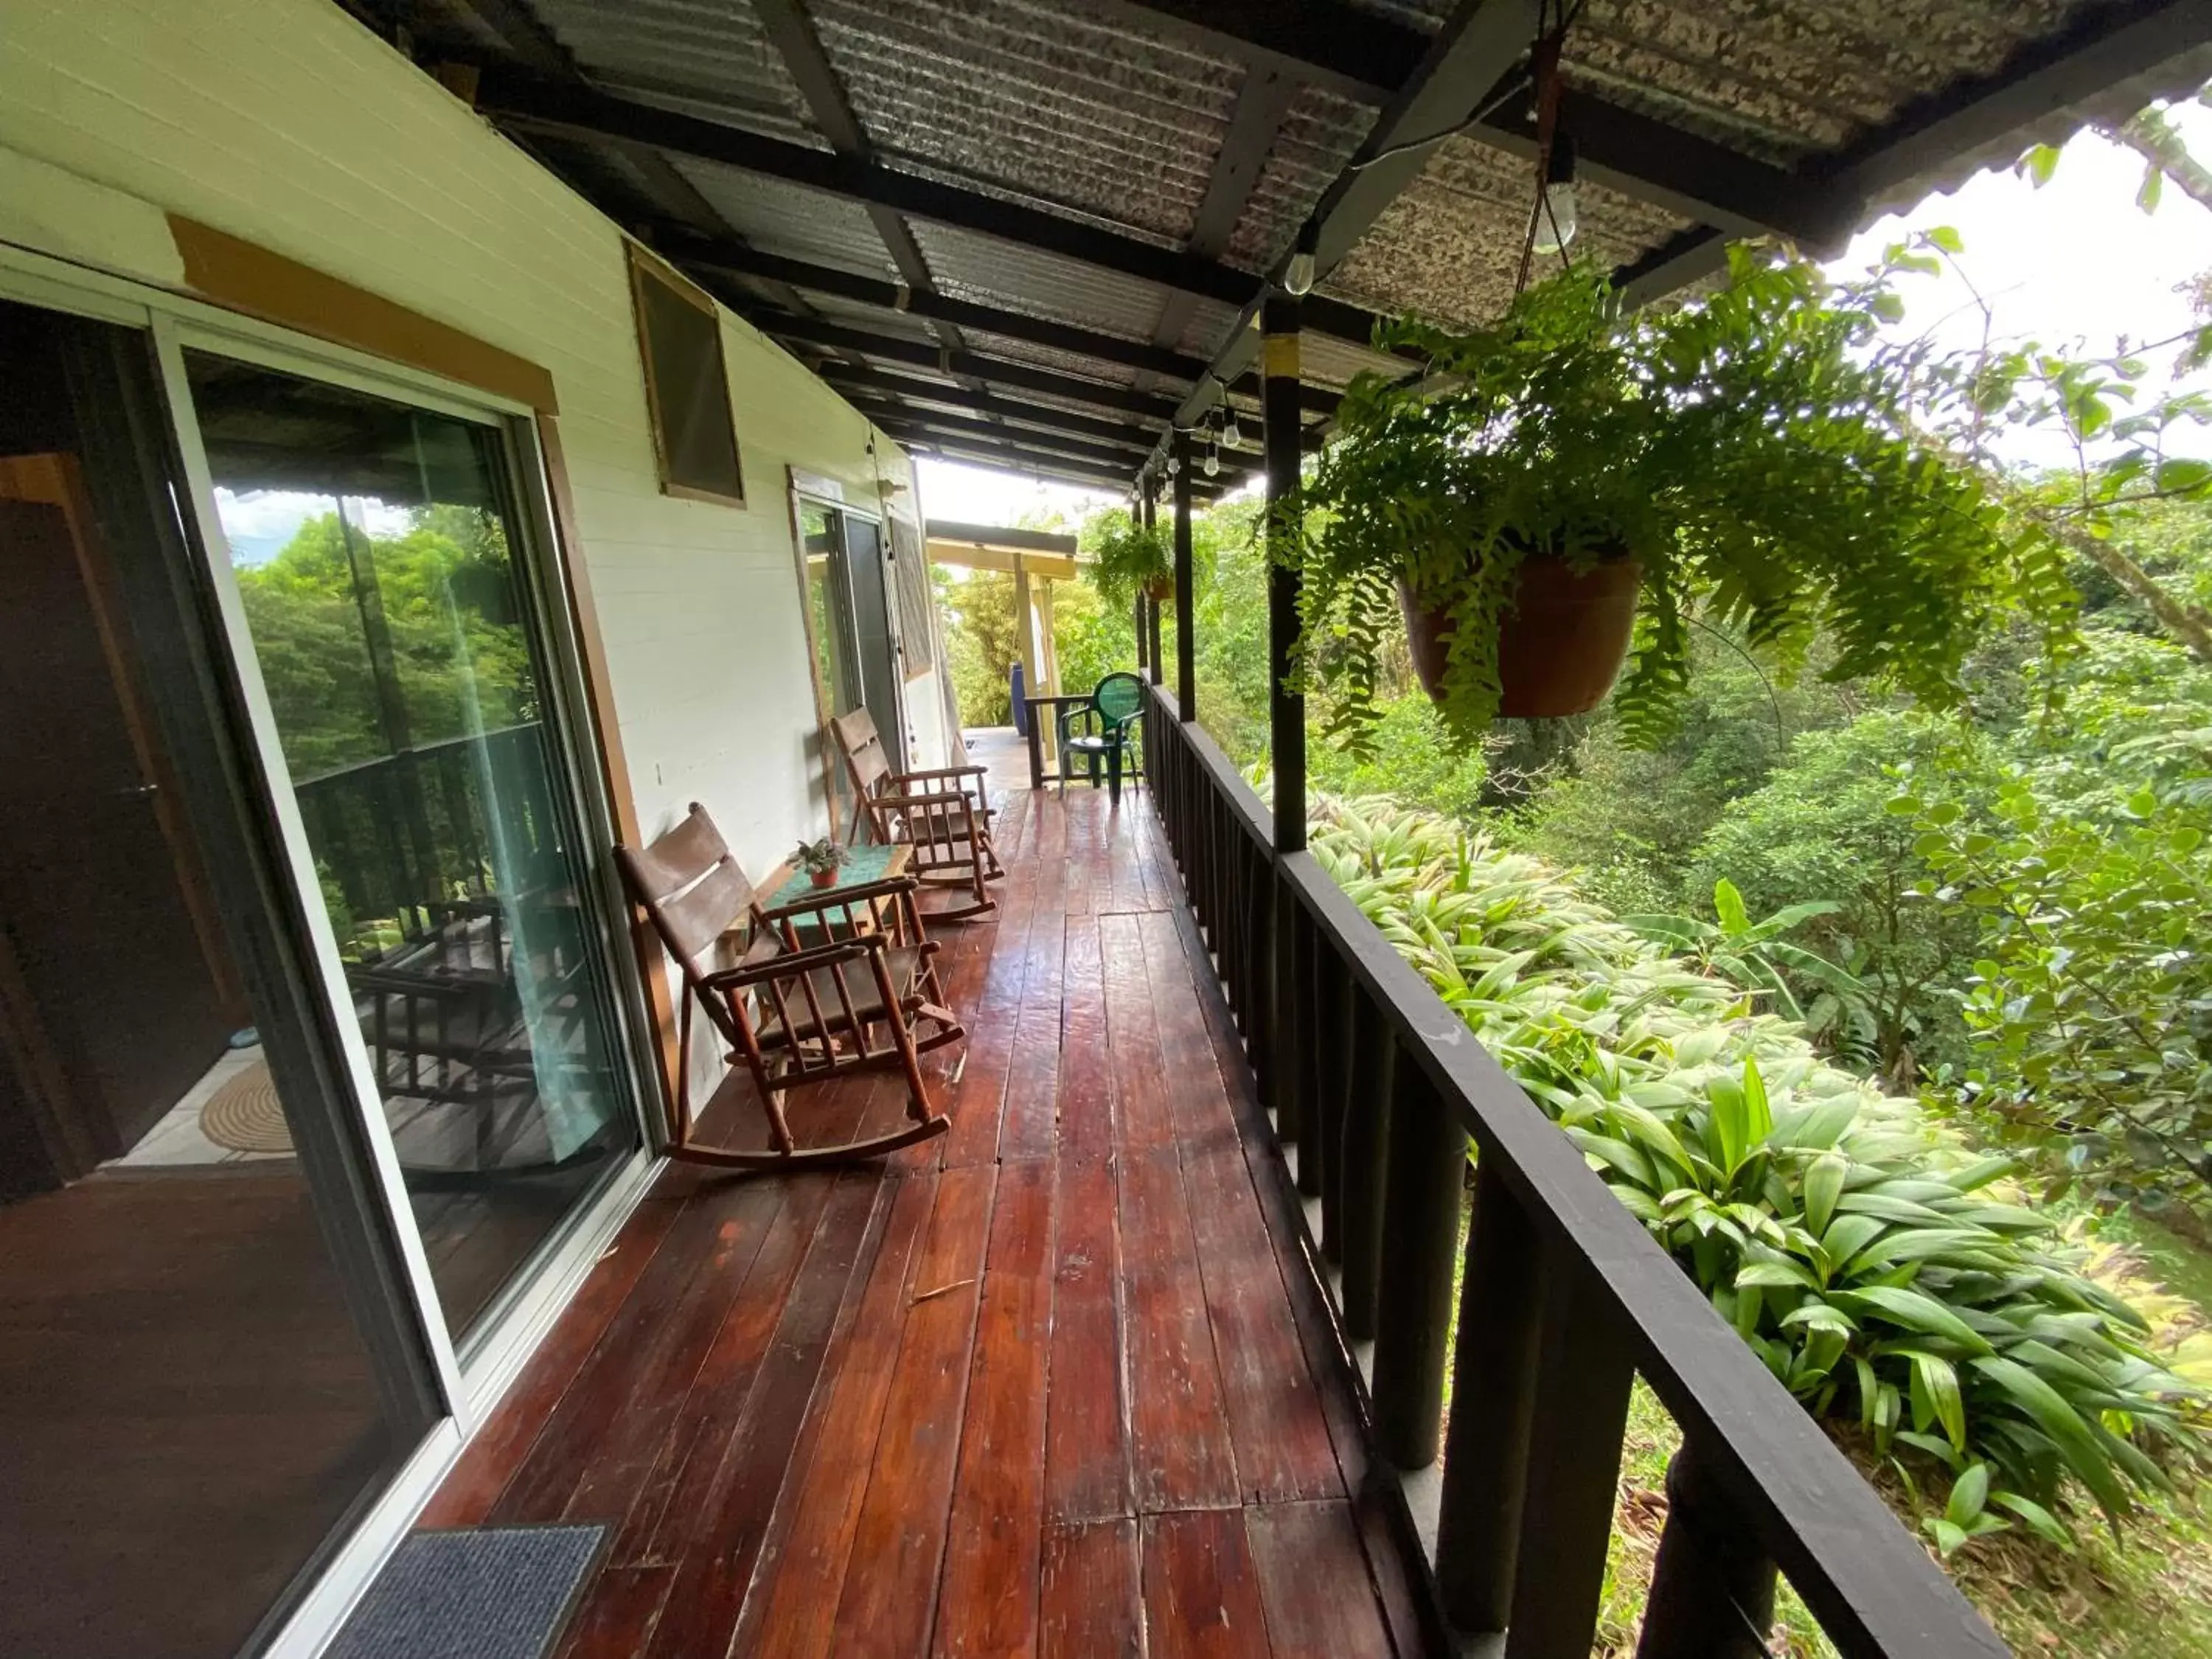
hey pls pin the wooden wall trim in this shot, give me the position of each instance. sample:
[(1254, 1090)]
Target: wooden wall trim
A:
[(614, 763), (241, 275)]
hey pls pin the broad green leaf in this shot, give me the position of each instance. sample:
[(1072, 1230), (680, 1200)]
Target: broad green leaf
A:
[(1916, 1311), (2076, 1445), (1728, 904), (1759, 1117), (1823, 1186), (2041, 1520)]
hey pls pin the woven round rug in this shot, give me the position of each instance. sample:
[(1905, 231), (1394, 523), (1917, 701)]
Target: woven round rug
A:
[(244, 1114)]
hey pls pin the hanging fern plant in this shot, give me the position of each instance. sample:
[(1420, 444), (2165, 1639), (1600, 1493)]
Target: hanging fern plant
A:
[(1127, 558), (1753, 457)]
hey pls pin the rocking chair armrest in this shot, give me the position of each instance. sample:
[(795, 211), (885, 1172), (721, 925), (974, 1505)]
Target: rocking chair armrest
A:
[(789, 963), (837, 898), (946, 798), (938, 772)]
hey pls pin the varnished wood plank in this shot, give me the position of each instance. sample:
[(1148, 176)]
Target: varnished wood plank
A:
[(1033, 1081), (1089, 1605), (1201, 1591), (1378, 1507), (1321, 1603), (648, 1355), (1124, 876), (1085, 1129), (802, 1571), (704, 1414), (474, 1484), (989, 1601), (1143, 1116), (1087, 1466), (1275, 1414), (616, 1616), (720, 1526), (899, 1545), (1179, 1433)]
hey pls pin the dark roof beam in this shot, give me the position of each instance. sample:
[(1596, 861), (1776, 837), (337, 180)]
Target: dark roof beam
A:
[(533, 103), (705, 255)]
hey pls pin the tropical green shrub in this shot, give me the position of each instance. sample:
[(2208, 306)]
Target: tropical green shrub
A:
[(2089, 1001), (1821, 827), (1873, 1265), (1759, 955)]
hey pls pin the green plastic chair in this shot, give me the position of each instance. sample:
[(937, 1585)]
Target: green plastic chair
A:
[(1106, 730)]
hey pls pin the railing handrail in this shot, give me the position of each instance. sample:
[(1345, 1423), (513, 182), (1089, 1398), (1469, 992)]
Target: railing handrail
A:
[(1872, 1586), (415, 751)]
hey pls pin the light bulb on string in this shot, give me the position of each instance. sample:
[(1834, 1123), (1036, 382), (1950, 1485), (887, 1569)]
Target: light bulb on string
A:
[(1231, 434), (1212, 461), (1298, 274), (1555, 212)]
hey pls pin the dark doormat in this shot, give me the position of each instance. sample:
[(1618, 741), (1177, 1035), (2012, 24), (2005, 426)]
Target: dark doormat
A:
[(473, 1592)]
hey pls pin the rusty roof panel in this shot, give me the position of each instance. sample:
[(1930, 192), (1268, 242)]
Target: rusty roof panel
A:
[(793, 222), (1060, 107), (1449, 247), (706, 57), (1782, 79)]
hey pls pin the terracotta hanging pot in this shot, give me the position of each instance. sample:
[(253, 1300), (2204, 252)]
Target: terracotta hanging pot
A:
[(1157, 588), (1561, 641)]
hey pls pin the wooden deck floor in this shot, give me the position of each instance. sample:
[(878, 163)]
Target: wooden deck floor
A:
[(1057, 1384)]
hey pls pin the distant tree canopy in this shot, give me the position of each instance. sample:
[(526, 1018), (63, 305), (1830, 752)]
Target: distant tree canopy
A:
[(368, 643)]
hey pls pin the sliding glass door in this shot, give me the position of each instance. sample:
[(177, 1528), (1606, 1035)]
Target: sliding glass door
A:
[(377, 551), (211, 1362)]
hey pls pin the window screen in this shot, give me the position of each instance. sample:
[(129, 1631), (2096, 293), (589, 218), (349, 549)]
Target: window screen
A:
[(685, 385)]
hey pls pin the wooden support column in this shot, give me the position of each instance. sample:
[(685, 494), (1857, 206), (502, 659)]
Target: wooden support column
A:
[(1151, 606), (1047, 646), (1186, 631), (1026, 649), (1287, 710)]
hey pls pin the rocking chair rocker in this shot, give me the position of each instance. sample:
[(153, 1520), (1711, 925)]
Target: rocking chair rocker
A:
[(793, 1014), (944, 815)]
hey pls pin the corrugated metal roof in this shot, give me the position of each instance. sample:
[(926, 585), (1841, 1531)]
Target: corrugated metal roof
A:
[(1061, 106), (1016, 278), (793, 222), (705, 56), (1097, 114), (1449, 248)]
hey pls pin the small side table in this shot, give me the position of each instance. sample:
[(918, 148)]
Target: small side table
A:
[(787, 884)]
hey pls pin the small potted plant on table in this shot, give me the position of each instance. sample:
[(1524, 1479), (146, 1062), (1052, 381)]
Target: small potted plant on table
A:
[(821, 860), (1568, 489)]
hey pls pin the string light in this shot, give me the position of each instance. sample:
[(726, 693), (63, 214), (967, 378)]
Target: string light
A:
[(1212, 461), (1231, 434), (1555, 217), (1298, 274)]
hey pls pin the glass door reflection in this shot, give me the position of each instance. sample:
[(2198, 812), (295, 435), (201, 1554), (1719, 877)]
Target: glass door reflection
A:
[(375, 551)]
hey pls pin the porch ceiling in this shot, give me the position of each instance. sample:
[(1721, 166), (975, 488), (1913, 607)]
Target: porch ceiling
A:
[(1073, 205)]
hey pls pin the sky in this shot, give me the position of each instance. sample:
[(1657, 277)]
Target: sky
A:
[(2074, 264)]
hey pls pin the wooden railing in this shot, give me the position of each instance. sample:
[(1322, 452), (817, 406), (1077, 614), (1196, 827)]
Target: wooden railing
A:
[(399, 835), (1566, 1297)]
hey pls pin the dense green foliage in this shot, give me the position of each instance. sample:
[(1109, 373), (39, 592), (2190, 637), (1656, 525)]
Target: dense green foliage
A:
[(1128, 557), (1866, 1258), (444, 591), (1749, 451)]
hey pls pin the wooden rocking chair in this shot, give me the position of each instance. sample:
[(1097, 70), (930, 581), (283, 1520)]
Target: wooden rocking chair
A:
[(943, 814), (793, 1014)]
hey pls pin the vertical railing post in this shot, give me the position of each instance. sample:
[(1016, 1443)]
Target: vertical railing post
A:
[(1306, 951), (1584, 1369), (1712, 1587), (1332, 996), (1186, 626), (1493, 1390), (1148, 608), (1426, 1171), (1286, 708), (1366, 1131)]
